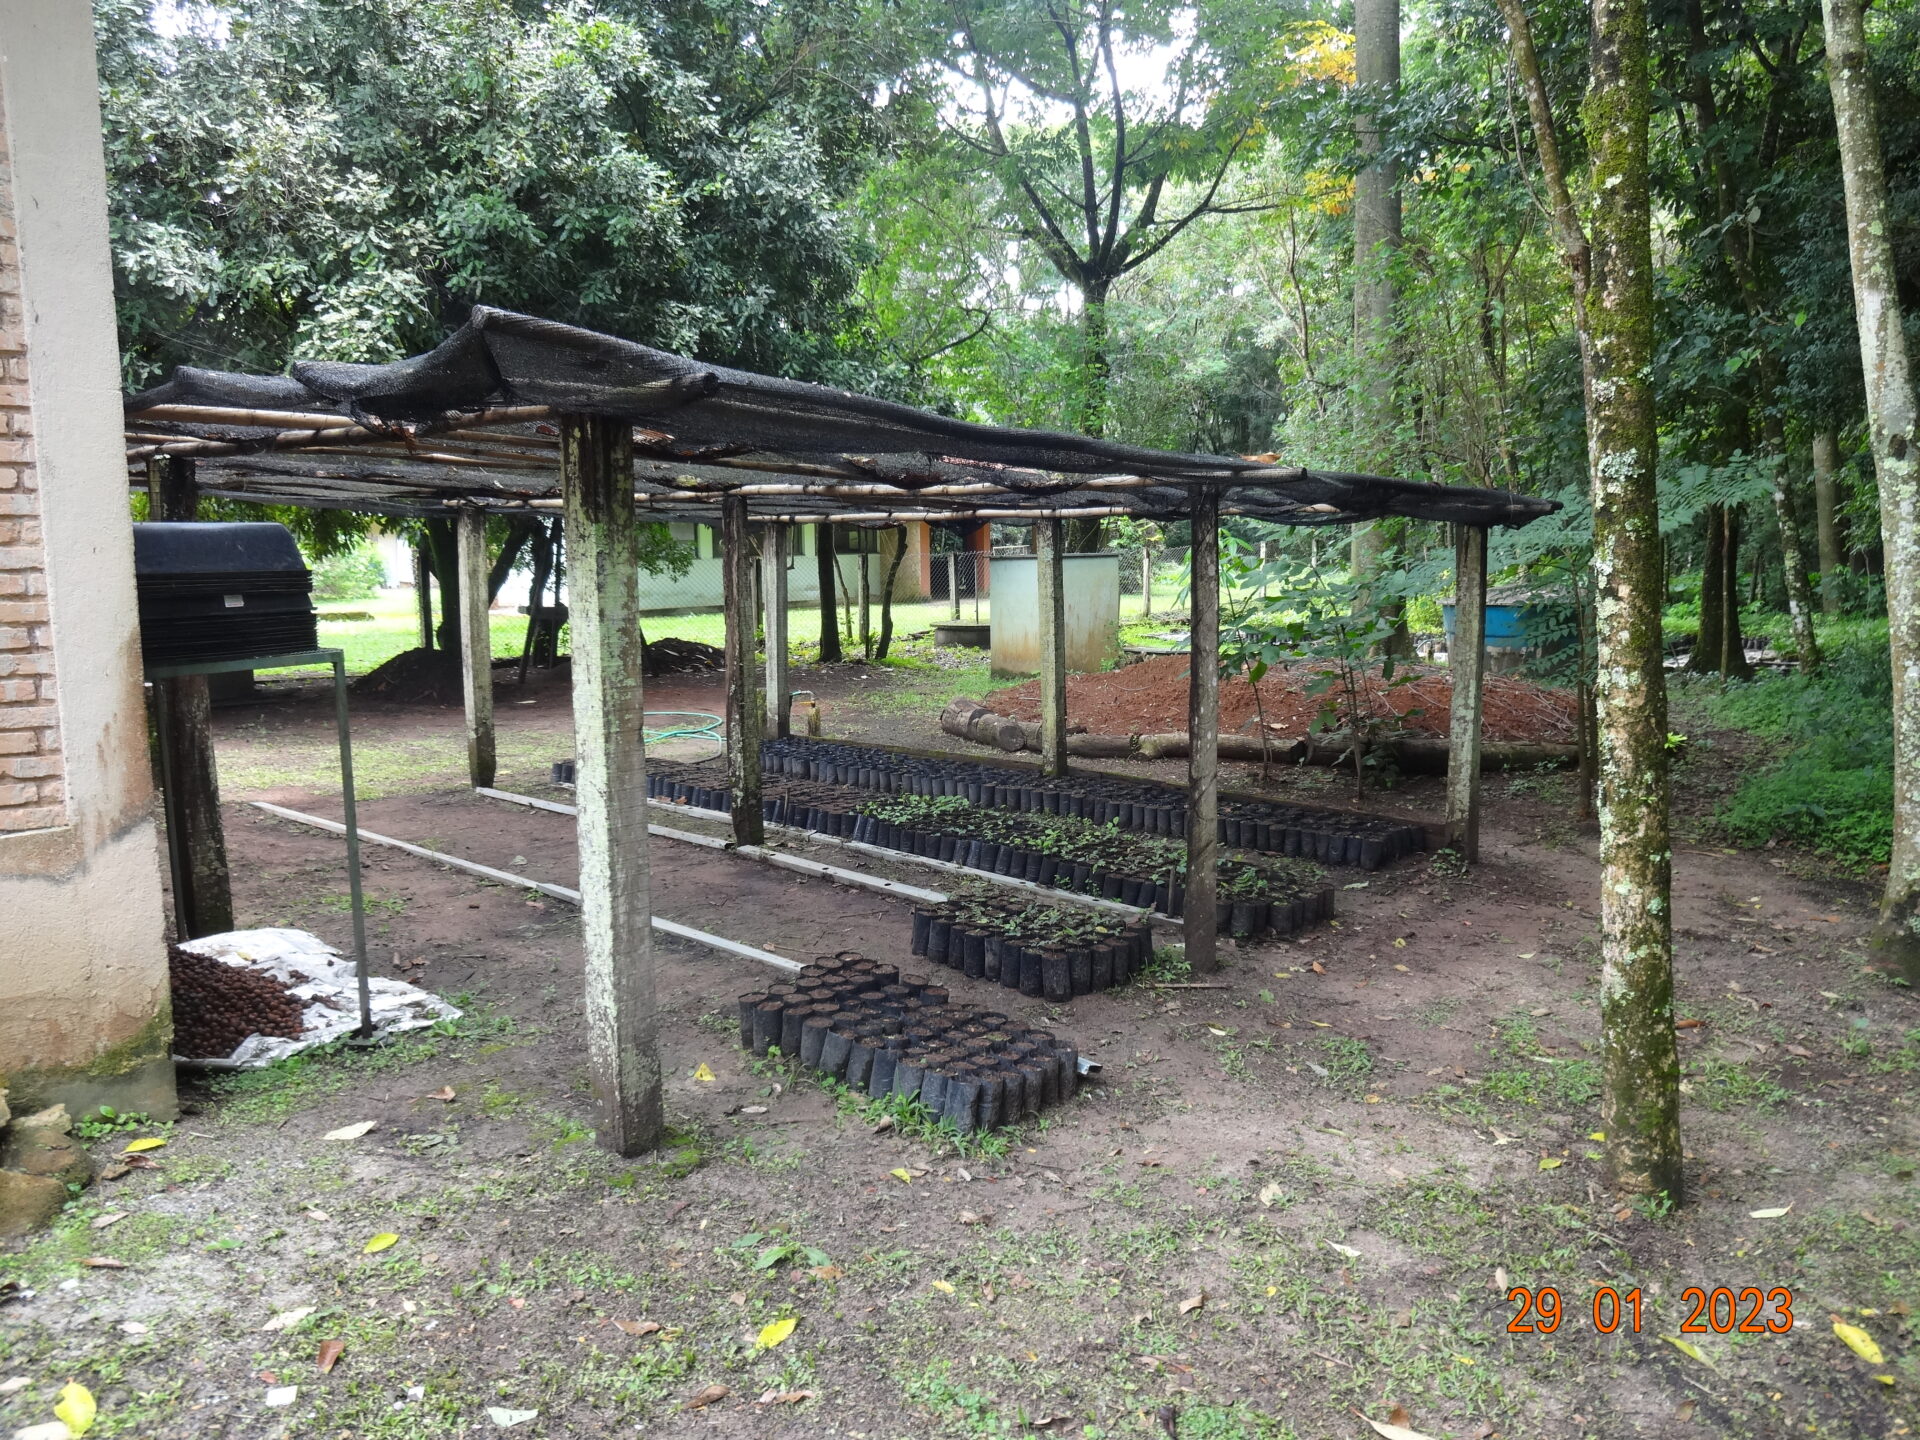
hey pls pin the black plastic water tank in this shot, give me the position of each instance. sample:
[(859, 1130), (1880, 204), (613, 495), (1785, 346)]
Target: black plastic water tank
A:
[(221, 591)]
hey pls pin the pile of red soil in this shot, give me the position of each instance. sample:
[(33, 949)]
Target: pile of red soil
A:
[(1151, 698)]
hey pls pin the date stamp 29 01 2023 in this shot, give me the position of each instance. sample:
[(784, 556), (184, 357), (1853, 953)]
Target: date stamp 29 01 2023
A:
[(1748, 1310)]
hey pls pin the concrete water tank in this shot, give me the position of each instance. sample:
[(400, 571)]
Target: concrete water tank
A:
[(1092, 603)]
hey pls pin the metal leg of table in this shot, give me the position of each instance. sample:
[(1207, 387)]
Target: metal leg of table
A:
[(353, 843)]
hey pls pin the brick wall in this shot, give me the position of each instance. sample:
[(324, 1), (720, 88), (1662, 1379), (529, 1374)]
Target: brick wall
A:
[(32, 789)]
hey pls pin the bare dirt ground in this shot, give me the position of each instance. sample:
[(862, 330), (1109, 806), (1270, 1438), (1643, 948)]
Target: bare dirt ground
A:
[(1285, 1205)]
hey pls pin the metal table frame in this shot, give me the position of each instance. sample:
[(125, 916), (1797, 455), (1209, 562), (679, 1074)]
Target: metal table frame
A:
[(338, 660)]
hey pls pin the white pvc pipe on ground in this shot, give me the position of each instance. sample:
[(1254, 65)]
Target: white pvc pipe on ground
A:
[(897, 889), (521, 882)]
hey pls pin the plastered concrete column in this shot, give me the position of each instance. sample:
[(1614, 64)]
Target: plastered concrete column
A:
[(82, 951)]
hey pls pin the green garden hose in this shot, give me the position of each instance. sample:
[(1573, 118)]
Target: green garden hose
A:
[(710, 727)]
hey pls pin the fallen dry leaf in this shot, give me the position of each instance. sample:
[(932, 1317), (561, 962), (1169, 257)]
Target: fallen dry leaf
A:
[(886, 1124), (287, 1319), (152, 1142), (1684, 1410), (76, 1407), (350, 1132), (115, 1170), (1801, 1051), (103, 1262), (1395, 1432), (1317, 967), (1193, 1303), (1048, 1422), (784, 1397), (1689, 1349), (1271, 1193), (826, 1272), (638, 1327), (1860, 1342), (974, 1217), (1688, 1024), (112, 1217), (706, 1397), (445, 1092), (1399, 1416), (330, 1353), (517, 1302)]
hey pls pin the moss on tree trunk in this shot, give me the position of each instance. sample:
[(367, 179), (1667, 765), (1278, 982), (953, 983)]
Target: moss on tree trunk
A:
[(1640, 1100), (1891, 431)]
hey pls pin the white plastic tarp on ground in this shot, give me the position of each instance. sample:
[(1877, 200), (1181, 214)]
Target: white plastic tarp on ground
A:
[(329, 993)]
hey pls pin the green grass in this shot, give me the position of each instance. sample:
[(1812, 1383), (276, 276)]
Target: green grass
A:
[(395, 627)]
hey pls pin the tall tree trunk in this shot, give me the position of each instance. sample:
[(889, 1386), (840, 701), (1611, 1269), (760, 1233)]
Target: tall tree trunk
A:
[(1891, 425), (1793, 555), (444, 553), (1826, 475), (1613, 312), (885, 641), (1732, 662), (829, 606), (1376, 239), (537, 597), (1707, 640), (1085, 535), (423, 591), (1640, 1105)]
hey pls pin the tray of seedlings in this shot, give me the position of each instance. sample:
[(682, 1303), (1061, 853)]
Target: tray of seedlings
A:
[(1333, 837), (1039, 950), (883, 1033)]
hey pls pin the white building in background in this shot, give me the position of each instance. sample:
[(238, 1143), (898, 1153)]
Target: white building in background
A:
[(700, 587)]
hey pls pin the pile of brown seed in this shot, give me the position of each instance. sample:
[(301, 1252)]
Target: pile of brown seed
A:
[(216, 1006)]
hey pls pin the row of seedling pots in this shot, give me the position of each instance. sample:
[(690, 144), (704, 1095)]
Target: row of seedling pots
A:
[(1035, 949), (1332, 837), (883, 1034), (1274, 896)]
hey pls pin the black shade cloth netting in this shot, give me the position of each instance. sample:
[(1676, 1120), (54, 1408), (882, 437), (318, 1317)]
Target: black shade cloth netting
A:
[(500, 358)]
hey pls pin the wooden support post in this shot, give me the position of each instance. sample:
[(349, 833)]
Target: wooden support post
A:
[(476, 646), (774, 541), (953, 584), (1467, 660), (1203, 730), (190, 778), (616, 913), (423, 592), (1048, 542), (743, 695)]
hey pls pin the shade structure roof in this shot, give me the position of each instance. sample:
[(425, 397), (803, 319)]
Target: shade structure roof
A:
[(475, 422)]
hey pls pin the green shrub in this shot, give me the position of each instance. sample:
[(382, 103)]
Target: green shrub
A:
[(355, 574), (1832, 790)]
